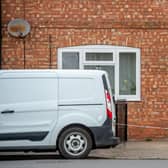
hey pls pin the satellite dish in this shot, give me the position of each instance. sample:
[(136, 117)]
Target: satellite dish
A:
[(18, 28)]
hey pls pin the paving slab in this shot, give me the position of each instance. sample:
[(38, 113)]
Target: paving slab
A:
[(135, 150)]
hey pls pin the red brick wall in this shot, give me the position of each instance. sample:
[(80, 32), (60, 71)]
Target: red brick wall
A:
[(133, 23)]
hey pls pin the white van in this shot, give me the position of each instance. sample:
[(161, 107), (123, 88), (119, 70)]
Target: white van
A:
[(65, 110)]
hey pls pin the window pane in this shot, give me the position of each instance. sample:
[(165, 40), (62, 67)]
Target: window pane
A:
[(99, 56), (70, 60), (127, 73), (109, 69)]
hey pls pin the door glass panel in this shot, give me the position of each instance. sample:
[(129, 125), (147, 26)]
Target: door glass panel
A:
[(127, 73), (108, 68), (70, 60), (99, 56)]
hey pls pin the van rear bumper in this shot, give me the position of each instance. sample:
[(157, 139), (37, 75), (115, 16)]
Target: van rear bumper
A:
[(104, 138)]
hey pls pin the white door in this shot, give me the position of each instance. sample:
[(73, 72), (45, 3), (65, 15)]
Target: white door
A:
[(28, 110)]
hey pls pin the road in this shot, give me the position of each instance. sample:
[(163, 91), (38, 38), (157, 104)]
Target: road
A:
[(83, 164), (55, 161)]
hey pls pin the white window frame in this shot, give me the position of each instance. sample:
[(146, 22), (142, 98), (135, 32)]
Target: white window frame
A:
[(136, 97), (94, 50), (82, 50)]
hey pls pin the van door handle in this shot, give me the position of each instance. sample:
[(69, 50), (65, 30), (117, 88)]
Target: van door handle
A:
[(7, 111)]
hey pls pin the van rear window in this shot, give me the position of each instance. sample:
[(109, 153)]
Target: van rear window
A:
[(105, 83)]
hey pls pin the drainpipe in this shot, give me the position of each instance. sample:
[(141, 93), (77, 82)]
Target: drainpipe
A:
[(1, 36)]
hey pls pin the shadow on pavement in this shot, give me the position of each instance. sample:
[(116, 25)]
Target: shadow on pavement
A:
[(37, 157)]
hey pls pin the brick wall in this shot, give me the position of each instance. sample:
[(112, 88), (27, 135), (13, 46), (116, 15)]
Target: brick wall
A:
[(133, 23)]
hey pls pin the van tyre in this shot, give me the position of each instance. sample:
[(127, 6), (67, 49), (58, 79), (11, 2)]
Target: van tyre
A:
[(74, 143)]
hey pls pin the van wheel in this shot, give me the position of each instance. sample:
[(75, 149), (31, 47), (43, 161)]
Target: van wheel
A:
[(75, 143)]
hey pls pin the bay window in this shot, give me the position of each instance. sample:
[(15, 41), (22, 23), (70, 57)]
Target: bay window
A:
[(121, 63)]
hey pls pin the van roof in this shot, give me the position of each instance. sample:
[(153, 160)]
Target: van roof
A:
[(48, 73)]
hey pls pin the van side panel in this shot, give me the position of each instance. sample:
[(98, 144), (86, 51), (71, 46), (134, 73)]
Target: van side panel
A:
[(81, 101), (80, 90), (84, 96), (34, 105)]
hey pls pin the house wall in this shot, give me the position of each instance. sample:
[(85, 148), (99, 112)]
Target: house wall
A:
[(133, 23)]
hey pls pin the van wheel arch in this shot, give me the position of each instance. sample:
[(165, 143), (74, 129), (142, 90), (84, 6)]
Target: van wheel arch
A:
[(80, 126)]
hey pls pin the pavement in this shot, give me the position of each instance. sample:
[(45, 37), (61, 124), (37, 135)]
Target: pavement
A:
[(130, 150), (135, 150)]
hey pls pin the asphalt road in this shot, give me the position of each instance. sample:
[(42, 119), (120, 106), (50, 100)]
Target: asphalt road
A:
[(55, 161)]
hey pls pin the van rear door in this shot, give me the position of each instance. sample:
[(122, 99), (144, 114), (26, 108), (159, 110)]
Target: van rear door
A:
[(109, 99)]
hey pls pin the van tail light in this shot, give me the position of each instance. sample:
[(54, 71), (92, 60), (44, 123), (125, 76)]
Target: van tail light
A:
[(108, 105)]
